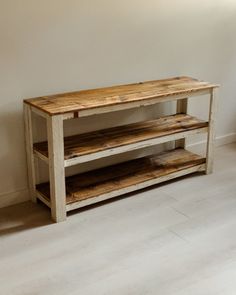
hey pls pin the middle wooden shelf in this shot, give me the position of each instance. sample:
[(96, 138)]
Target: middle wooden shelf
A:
[(102, 143)]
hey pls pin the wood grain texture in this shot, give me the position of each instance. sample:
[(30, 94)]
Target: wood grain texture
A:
[(116, 95), (102, 181), (111, 138)]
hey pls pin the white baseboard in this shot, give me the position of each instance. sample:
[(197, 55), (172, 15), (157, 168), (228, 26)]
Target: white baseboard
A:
[(220, 140), (12, 198), (225, 139), (20, 196)]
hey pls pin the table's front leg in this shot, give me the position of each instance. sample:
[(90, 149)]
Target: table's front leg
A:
[(56, 167)]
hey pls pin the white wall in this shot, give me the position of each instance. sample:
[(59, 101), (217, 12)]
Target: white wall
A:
[(52, 46)]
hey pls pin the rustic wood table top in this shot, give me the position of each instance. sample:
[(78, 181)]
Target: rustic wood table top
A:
[(117, 95)]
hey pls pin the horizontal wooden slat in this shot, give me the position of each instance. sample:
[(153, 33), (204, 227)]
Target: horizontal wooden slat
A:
[(112, 180), (90, 101), (89, 146)]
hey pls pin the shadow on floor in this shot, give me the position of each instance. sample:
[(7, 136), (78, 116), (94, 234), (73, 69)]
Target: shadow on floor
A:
[(28, 215), (22, 217)]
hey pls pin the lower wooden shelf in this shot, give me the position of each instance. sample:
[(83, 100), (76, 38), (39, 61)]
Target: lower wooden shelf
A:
[(104, 183)]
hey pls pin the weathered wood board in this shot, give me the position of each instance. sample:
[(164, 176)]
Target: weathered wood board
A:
[(80, 101), (93, 142), (105, 180)]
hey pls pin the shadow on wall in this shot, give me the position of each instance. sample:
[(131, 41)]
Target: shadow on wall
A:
[(12, 152)]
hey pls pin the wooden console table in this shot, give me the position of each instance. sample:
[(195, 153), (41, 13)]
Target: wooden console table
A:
[(64, 194)]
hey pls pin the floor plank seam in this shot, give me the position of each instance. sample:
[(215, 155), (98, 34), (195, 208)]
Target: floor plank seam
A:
[(180, 212), (179, 236)]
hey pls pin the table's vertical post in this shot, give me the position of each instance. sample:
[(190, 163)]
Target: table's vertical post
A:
[(29, 151), (181, 108), (56, 167), (211, 131)]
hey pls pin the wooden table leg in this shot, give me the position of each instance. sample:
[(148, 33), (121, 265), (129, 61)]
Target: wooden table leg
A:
[(182, 108), (211, 131), (56, 167), (29, 152)]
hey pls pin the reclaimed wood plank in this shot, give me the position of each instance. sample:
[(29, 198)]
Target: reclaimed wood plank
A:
[(112, 138), (89, 100), (135, 187), (105, 181)]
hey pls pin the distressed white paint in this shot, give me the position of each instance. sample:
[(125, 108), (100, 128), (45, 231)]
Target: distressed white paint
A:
[(181, 108), (211, 131), (29, 151), (39, 112), (56, 167)]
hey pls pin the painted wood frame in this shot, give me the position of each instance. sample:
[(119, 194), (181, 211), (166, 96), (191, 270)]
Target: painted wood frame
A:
[(56, 167), (181, 108), (57, 163), (211, 132), (29, 152)]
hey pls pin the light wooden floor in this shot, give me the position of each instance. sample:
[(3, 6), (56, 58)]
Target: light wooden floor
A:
[(178, 238)]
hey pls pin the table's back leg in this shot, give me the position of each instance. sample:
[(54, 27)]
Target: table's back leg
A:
[(211, 131), (181, 108), (29, 152)]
